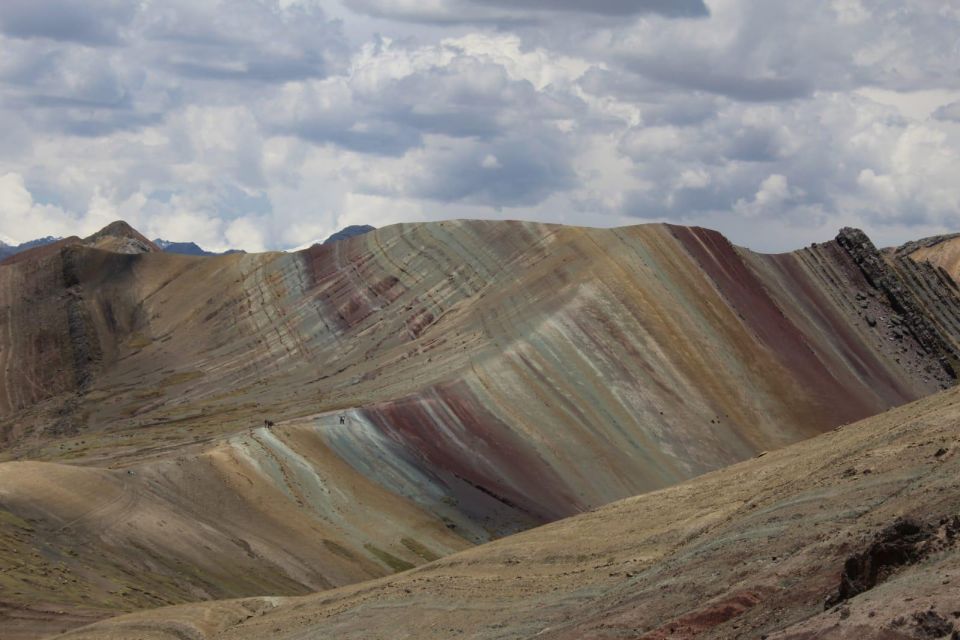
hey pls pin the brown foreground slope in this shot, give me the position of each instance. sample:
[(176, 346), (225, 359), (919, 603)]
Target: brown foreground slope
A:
[(751, 551), (269, 511), (434, 386)]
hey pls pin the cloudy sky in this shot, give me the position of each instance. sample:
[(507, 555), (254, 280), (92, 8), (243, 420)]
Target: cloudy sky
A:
[(267, 124)]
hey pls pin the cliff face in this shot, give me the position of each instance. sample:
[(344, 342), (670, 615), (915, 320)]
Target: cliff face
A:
[(469, 378), (923, 297)]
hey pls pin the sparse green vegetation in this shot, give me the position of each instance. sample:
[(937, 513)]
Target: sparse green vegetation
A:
[(339, 550), (8, 518), (388, 559), (419, 549), (139, 341)]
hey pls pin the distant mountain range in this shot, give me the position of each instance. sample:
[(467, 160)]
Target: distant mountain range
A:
[(190, 248), (185, 248), (11, 249)]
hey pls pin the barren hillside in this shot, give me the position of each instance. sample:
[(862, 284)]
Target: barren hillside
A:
[(757, 550), (181, 428)]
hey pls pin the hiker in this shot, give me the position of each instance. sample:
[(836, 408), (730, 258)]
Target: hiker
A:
[(342, 420), (268, 423)]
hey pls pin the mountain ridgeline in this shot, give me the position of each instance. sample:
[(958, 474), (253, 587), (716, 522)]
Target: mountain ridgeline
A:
[(185, 248), (308, 420), (683, 351)]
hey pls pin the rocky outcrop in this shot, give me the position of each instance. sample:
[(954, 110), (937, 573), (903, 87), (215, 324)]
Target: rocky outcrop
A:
[(84, 344), (903, 543), (925, 299)]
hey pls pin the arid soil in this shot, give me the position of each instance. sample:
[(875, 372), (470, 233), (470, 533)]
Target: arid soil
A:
[(757, 550)]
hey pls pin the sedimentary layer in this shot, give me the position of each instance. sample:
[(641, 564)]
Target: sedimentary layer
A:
[(481, 378)]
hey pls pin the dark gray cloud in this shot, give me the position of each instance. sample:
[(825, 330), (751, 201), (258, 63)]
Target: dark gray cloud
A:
[(763, 163), (455, 12), (753, 144), (948, 112), (508, 173), (95, 124), (84, 91), (522, 12), (328, 113), (470, 98), (757, 51), (462, 97), (672, 8), (242, 42), (660, 105), (704, 76), (376, 138), (238, 68), (92, 22)]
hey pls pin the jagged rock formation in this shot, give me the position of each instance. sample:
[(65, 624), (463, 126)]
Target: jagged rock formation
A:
[(491, 376), (925, 298)]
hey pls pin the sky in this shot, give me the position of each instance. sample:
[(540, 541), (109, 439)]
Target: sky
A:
[(270, 124)]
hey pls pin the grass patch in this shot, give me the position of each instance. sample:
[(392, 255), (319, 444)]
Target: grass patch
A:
[(339, 550), (388, 559), (139, 341), (14, 520), (419, 549)]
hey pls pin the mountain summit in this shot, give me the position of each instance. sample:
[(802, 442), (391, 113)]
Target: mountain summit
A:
[(120, 237)]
